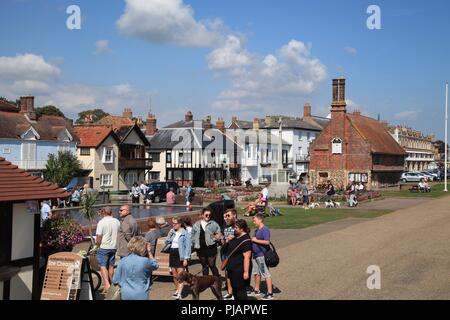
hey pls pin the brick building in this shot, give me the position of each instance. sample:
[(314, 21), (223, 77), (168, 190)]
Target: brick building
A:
[(353, 147)]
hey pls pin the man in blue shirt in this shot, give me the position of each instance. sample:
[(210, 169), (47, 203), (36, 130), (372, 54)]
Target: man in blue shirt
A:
[(260, 246)]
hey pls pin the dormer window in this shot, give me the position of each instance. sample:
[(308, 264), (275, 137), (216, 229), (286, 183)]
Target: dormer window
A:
[(336, 146)]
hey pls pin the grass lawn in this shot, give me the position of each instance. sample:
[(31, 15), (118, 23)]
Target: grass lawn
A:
[(436, 192), (298, 218)]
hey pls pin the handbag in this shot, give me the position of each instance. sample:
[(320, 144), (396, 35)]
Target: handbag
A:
[(271, 257), (225, 261), (166, 248)]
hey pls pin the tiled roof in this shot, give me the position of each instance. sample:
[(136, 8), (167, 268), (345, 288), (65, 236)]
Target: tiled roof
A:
[(18, 185), (92, 135), (6, 106), (376, 134), (116, 121), (13, 125)]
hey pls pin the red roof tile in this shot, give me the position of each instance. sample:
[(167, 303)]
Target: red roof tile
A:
[(91, 135), (376, 134), (116, 121), (18, 185)]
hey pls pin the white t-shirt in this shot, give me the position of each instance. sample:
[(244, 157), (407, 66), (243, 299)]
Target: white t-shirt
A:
[(175, 244), (108, 228), (203, 224), (265, 193)]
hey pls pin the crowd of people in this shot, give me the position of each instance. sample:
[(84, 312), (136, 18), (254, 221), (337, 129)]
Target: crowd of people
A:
[(298, 193), (121, 240)]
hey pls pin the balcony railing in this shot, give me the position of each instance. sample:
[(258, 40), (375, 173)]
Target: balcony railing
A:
[(144, 164), (301, 158)]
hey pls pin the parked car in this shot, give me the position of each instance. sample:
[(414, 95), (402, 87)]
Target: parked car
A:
[(411, 177), (429, 175), (158, 190)]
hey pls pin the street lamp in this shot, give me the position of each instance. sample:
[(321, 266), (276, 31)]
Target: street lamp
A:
[(446, 138)]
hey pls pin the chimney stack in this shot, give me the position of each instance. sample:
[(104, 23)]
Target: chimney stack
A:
[(207, 123), (188, 116), (128, 113), (307, 110), (150, 125), (27, 107), (268, 121), (234, 119), (338, 104), (255, 124), (220, 124)]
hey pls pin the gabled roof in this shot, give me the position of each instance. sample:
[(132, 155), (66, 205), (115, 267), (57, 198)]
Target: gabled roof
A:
[(93, 135), (18, 185), (14, 124), (124, 131), (376, 135)]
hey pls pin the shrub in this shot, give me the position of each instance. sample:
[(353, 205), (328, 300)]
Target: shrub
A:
[(61, 234)]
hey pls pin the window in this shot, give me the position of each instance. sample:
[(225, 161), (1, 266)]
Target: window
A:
[(336, 146), (64, 147), (169, 157), (308, 135), (130, 178), (154, 176), (155, 156), (6, 150), (358, 177), (108, 155), (106, 180), (85, 151)]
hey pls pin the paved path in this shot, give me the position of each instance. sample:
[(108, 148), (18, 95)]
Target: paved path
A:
[(329, 261)]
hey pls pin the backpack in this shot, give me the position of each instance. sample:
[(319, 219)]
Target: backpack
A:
[(271, 257)]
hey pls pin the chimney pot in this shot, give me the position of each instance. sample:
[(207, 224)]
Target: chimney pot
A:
[(255, 124), (127, 113), (268, 121), (220, 124)]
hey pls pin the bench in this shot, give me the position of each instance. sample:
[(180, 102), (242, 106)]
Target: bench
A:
[(163, 260)]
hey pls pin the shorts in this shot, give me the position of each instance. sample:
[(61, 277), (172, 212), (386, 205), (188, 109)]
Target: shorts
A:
[(106, 257), (260, 267)]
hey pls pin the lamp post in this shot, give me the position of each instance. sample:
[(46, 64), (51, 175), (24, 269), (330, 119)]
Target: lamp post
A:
[(446, 138)]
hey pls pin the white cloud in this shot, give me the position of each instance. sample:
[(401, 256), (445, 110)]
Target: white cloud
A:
[(102, 46), (30, 86), (168, 22), (289, 73), (230, 56), (351, 50), (27, 67), (407, 115)]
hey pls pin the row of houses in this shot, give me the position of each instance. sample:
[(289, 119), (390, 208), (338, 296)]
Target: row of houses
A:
[(117, 151)]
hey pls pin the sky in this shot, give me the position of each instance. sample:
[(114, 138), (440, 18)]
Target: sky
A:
[(229, 58)]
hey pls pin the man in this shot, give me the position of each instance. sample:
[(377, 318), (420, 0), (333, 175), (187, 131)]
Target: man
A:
[(170, 197), (230, 217), (189, 195), (106, 240), (305, 193), (163, 227), (46, 212), (128, 229), (261, 242)]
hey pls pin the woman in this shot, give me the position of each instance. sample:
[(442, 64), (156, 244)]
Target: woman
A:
[(330, 190), (293, 196), (204, 233), (134, 272), (180, 252), (239, 252), (152, 234)]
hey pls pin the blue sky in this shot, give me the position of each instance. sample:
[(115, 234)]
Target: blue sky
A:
[(223, 58)]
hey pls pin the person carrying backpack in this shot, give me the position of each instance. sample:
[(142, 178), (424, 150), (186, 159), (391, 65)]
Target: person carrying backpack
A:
[(260, 245)]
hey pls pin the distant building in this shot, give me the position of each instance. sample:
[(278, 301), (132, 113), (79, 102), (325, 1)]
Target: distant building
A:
[(191, 151), (353, 147), (297, 133), (27, 139), (98, 152), (421, 149)]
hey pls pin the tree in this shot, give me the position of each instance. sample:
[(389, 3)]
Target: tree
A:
[(441, 145), (61, 168), (49, 111), (94, 114), (88, 200)]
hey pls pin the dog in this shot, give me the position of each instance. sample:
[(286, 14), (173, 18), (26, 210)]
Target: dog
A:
[(314, 205), (332, 204), (198, 284)]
